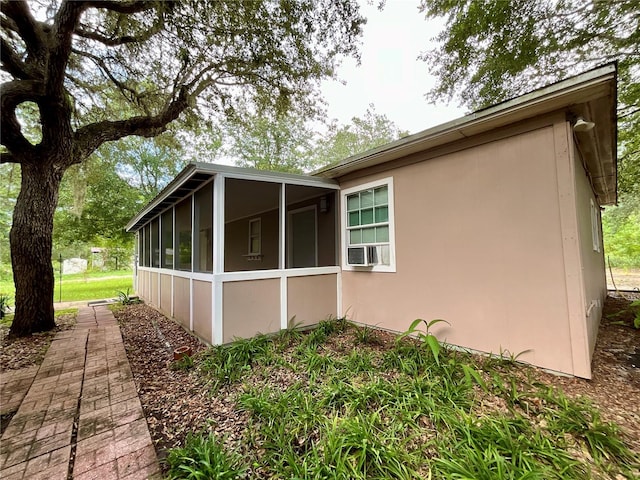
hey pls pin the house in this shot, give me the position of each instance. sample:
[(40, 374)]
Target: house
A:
[(491, 221)]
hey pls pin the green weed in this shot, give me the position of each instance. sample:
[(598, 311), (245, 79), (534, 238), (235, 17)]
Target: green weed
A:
[(203, 457), (365, 335), (226, 364), (421, 330), (4, 304), (126, 299), (185, 363), (580, 419)]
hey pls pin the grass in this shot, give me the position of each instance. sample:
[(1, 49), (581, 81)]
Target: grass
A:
[(83, 286), (357, 408)]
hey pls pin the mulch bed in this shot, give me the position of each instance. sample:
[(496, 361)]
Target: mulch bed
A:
[(177, 402), (16, 353)]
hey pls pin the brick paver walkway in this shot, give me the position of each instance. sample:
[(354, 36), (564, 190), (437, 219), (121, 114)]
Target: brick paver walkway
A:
[(81, 417)]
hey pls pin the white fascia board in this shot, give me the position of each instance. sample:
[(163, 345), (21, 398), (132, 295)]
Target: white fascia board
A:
[(273, 177)]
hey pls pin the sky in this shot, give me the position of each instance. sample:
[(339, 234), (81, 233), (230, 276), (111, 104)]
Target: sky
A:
[(390, 75)]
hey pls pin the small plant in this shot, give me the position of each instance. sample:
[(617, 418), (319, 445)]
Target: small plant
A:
[(425, 337), (633, 309), (316, 337), (512, 358), (226, 364), (289, 334), (203, 457), (365, 335), (185, 363), (125, 299), (636, 321), (4, 304)]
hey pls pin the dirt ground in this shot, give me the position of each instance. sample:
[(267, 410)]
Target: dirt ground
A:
[(178, 402), (623, 279)]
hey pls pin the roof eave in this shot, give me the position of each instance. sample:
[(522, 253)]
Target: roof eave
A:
[(211, 169), (552, 98)]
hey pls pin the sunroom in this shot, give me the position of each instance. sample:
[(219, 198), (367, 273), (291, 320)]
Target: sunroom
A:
[(230, 252)]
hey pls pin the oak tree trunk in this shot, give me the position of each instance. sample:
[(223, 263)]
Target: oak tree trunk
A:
[(31, 245)]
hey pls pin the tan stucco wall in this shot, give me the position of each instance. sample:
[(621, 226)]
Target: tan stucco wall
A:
[(165, 293), (154, 298), (312, 299), (478, 243), (236, 243), (202, 309), (250, 307), (593, 266), (181, 304)]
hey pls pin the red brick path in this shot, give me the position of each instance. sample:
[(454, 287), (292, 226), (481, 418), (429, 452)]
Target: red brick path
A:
[(82, 407)]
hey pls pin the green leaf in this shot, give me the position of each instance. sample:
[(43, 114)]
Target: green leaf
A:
[(434, 345)]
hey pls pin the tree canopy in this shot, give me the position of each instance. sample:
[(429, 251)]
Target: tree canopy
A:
[(278, 142), (492, 51), (363, 133), (98, 71)]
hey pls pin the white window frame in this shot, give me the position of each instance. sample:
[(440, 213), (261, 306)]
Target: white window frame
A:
[(595, 226), (258, 235), (388, 182)]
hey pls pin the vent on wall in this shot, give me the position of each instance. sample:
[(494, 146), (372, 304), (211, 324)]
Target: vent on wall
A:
[(362, 256)]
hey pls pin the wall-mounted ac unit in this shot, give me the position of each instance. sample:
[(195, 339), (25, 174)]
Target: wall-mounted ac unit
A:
[(362, 256)]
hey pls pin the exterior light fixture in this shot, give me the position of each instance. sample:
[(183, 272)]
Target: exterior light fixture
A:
[(582, 125), (324, 205)]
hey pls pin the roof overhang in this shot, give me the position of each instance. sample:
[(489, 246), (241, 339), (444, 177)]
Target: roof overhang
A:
[(196, 174), (592, 95)]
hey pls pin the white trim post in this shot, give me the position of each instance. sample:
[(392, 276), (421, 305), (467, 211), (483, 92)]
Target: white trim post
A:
[(193, 202), (173, 257), (218, 260), (282, 244)]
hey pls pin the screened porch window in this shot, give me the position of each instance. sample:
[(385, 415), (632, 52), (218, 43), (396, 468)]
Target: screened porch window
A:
[(167, 239), (155, 246), (183, 235), (147, 245), (141, 249), (204, 222)]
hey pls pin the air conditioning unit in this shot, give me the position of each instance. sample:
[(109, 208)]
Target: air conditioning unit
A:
[(363, 256)]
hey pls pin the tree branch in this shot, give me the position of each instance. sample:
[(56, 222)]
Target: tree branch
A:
[(124, 39), (7, 157), (13, 94), (11, 62), (123, 7), (65, 22), (124, 89), (55, 108), (8, 25), (27, 26), (14, 64), (88, 138)]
